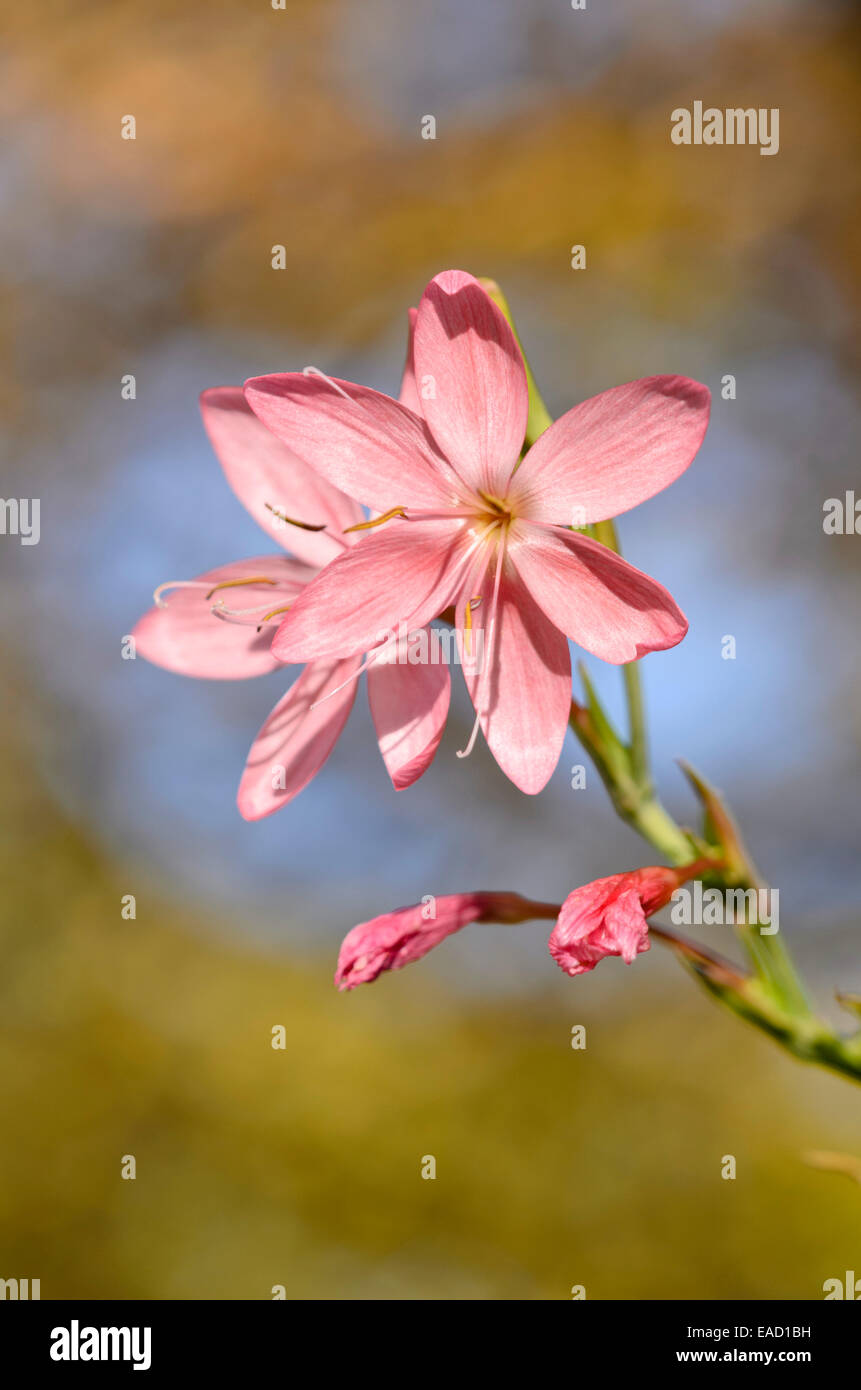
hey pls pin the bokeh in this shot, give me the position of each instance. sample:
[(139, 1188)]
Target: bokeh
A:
[(301, 126)]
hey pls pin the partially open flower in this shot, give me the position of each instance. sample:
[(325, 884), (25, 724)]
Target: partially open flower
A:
[(608, 916), (408, 933)]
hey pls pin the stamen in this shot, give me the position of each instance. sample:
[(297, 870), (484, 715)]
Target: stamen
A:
[(176, 584), (496, 504), (220, 607), (241, 617), (272, 614), (376, 521), (375, 653), (368, 661), (315, 371), (291, 520), (470, 604), (463, 562), (232, 616), (441, 516), (237, 583), (488, 655)]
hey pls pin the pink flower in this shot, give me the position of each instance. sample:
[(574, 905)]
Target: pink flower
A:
[(608, 916), (397, 938), (471, 525), (220, 625)]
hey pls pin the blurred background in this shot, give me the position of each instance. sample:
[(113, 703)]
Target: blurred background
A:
[(302, 126)]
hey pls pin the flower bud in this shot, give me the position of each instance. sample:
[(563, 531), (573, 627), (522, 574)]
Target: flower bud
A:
[(608, 916), (397, 938)]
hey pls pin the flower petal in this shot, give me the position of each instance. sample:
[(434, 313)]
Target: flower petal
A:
[(366, 444), (477, 411), (612, 452), (296, 740), (186, 637), (405, 573), (409, 704), (521, 678), (603, 918), (626, 930), (260, 469), (594, 596), (409, 392)]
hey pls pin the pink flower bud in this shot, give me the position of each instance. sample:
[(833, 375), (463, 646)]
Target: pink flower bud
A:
[(608, 916), (407, 934)]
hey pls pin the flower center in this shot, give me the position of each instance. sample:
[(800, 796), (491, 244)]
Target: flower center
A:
[(498, 509)]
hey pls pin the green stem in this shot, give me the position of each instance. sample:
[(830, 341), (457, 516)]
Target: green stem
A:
[(768, 954), (654, 822), (633, 802), (605, 532), (773, 998), (774, 965), (637, 723)]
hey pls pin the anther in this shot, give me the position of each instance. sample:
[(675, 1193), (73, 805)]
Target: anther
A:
[(470, 604), (377, 520), (291, 520), (237, 583), (273, 613)]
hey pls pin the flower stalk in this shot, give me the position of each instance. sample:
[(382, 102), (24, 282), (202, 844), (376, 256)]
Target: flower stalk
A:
[(771, 995)]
